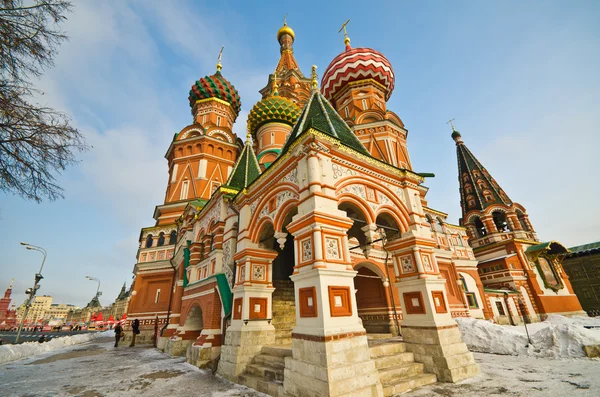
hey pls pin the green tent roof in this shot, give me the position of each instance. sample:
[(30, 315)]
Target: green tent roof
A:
[(321, 116), (552, 247), (246, 169)]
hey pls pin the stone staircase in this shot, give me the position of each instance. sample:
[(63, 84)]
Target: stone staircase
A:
[(284, 311), (398, 371), (265, 373)]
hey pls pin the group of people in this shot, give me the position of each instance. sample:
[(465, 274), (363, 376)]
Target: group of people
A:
[(119, 333)]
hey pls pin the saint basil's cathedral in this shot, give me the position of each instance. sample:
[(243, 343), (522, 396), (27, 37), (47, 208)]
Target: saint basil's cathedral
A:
[(304, 260)]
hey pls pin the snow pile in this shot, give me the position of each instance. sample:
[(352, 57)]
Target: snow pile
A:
[(560, 337), (16, 352)]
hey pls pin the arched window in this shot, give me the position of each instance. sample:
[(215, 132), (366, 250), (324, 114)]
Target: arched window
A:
[(364, 104), (471, 201), (173, 237), (347, 112), (161, 239), (430, 221), (500, 221), (438, 225), (149, 241), (468, 188), (481, 232), (184, 190), (218, 121), (523, 221)]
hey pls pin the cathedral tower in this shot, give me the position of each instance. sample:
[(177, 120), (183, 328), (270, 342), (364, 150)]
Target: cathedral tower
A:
[(488, 213), (359, 82), (202, 154)]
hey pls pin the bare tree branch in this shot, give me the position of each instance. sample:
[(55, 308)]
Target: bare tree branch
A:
[(36, 142)]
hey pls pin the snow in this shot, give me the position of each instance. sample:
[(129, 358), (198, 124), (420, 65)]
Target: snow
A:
[(557, 337), (16, 352), (98, 369)]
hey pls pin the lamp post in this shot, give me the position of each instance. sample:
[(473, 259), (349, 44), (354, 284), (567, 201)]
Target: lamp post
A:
[(98, 292), (31, 291), (522, 306)]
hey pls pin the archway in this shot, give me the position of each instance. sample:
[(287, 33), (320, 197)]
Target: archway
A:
[(371, 299), (360, 221), (283, 265)]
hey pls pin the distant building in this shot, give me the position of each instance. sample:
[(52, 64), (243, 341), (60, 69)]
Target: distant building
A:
[(8, 316), (38, 309), (59, 310), (583, 267)]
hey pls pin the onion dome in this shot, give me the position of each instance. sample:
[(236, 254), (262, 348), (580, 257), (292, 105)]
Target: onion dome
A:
[(356, 64), (285, 29), (273, 108), (216, 86)]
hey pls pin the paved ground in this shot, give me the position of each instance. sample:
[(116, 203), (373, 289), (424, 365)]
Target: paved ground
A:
[(97, 369), (27, 336)]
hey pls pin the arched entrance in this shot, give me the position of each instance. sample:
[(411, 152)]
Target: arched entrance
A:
[(371, 299), (283, 298)]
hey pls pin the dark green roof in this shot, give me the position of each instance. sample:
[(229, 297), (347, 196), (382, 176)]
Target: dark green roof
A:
[(585, 247), (321, 116), (552, 247), (246, 169), (487, 186)]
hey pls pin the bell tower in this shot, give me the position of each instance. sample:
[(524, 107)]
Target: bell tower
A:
[(488, 213)]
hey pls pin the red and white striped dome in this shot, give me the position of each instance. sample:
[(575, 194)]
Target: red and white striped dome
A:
[(357, 64)]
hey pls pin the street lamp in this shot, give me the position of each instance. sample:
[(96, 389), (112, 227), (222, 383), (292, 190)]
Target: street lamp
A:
[(98, 292), (31, 291)]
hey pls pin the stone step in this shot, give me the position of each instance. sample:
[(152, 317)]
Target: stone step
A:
[(371, 336), (274, 389), (386, 349), (277, 351), (406, 384), (283, 341), (400, 371), (272, 374), (265, 360), (394, 360)]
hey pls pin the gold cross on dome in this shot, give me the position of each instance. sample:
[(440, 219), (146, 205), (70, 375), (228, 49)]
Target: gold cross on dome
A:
[(219, 65), (344, 28), (284, 19), (451, 123)]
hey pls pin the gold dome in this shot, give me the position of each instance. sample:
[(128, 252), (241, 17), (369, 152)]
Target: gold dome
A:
[(285, 29)]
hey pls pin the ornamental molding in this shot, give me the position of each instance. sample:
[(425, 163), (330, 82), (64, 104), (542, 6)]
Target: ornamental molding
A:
[(221, 132), (206, 218), (156, 232)]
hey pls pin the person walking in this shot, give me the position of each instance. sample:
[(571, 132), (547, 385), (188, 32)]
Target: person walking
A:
[(135, 327), (118, 330)]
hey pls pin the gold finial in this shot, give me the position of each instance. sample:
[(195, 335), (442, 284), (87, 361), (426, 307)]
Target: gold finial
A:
[(12, 280), (248, 136), (274, 90), (452, 124), (346, 38), (219, 65), (313, 75)]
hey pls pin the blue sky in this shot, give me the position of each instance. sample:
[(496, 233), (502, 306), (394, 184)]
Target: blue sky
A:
[(520, 78)]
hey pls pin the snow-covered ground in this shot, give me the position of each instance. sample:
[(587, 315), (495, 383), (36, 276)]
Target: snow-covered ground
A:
[(557, 337), (97, 369), (16, 352)]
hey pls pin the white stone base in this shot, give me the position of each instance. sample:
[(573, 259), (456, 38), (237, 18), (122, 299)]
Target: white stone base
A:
[(442, 351), (331, 368), (201, 356), (240, 348), (177, 346)]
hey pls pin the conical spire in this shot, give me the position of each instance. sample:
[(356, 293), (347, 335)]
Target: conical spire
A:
[(246, 169), (123, 291), (478, 190), (321, 116), (285, 37)]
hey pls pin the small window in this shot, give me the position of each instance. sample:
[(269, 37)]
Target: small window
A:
[(149, 241), (218, 121), (272, 138), (184, 190), (161, 239), (203, 119), (364, 104), (500, 308), (157, 296), (173, 237), (347, 112), (472, 300)]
